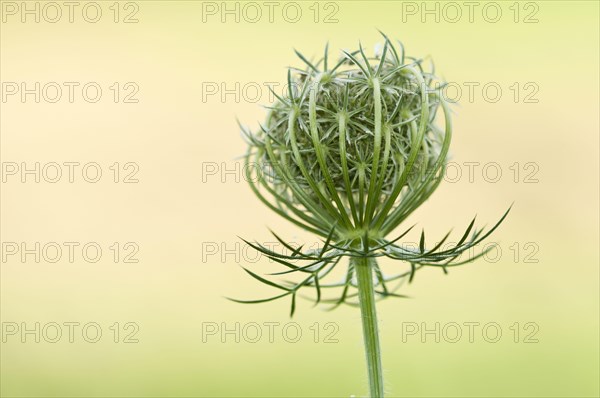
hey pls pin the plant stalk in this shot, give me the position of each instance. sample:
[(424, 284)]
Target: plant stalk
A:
[(366, 296)]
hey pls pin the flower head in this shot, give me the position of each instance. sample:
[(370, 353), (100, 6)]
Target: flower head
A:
[(354, 143), (351, 150)]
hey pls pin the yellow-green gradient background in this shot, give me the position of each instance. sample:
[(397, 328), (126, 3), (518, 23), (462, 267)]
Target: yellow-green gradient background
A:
[(169, 53)]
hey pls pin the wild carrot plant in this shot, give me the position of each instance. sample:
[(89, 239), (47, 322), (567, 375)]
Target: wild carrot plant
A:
[(348, 153)]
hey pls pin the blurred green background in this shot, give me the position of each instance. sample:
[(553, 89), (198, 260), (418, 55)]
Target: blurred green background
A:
[(188, 208)]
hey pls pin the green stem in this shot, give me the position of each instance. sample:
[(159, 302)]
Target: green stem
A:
[(366, 296)]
